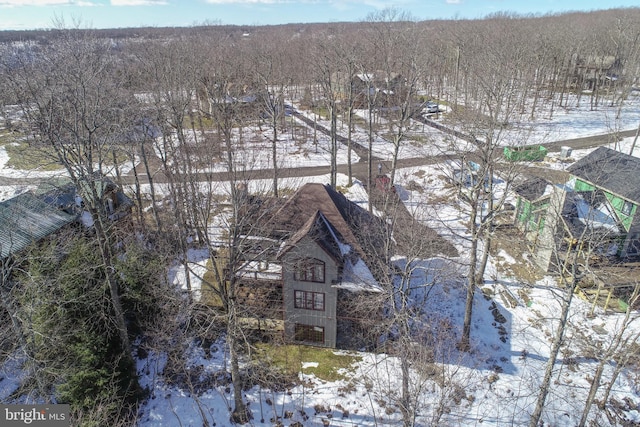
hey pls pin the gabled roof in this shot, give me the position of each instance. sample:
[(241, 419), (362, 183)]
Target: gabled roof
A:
[(321, 232), (26, 219), (342, 214), (611, 170), (533, 189)]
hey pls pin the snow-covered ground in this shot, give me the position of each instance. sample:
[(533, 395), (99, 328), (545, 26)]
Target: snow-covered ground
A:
[(495, 384)]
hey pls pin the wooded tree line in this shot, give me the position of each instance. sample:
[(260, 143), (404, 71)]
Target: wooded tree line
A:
[(182, 105)]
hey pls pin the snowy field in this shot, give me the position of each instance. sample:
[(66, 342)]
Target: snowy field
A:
[(496, 384)]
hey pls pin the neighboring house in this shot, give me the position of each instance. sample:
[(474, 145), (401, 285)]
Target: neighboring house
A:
[(595, 212), (377, 85), (65, 196), (531, 207), (27, 219), (310, 254), (31, 217), (593, 70)]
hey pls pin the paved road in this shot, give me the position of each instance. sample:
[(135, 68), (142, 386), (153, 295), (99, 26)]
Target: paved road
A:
[(358, 169)]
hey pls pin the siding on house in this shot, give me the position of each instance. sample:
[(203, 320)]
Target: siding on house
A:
[(606, 177), (308, 249), (628, 220), (618, 203), (580, 185), (531, 215)]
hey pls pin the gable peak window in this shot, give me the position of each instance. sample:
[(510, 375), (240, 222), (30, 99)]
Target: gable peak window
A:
[(310, 270)]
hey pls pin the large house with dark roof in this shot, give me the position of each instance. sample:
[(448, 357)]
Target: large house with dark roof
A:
[(595, 210), (310, 263)]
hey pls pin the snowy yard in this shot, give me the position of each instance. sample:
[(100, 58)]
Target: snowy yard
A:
[(495, 384)]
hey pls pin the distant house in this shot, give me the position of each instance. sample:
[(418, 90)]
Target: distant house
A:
[(309, 263), (594, 70), (595, 212), (65, 196), (375, 85)]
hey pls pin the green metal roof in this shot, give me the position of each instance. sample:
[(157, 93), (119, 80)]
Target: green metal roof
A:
[(26, 219)]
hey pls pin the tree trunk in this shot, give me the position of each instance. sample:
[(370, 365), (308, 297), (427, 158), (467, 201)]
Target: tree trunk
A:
[(152, 190), (465, 342), (555, 349), (239, 414), (370, 183), (105, 252), (334, 146), (274, 153), (349, 130)]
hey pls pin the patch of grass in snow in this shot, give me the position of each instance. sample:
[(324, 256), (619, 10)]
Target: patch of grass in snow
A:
[(325, 364), (207, 295), (24, 157), (202, 121), (8, 137), (419, 140), (359, 121), (322, 112)]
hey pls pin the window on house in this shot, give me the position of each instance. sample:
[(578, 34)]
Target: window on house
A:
[(634, 245), (626, 208), (309, 333), (311, 270), (309, 300)]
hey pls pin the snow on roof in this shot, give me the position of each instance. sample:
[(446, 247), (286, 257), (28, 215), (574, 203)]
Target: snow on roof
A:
[(260, 270), (358, 278), (344, 248)]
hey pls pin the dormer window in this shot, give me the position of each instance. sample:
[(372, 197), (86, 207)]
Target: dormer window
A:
[(310, 270), (626, 208)]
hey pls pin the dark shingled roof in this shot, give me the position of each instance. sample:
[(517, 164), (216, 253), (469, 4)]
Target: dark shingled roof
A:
[(319, 229), (26, 219), (342, 214), (532, 189), (616, 172)]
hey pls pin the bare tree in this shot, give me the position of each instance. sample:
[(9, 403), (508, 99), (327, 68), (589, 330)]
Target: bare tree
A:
[(394, 40), (485, 124), (270, 70), (402, 259), (574, 242), (77, 109), (326, 67), (624, 340)]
